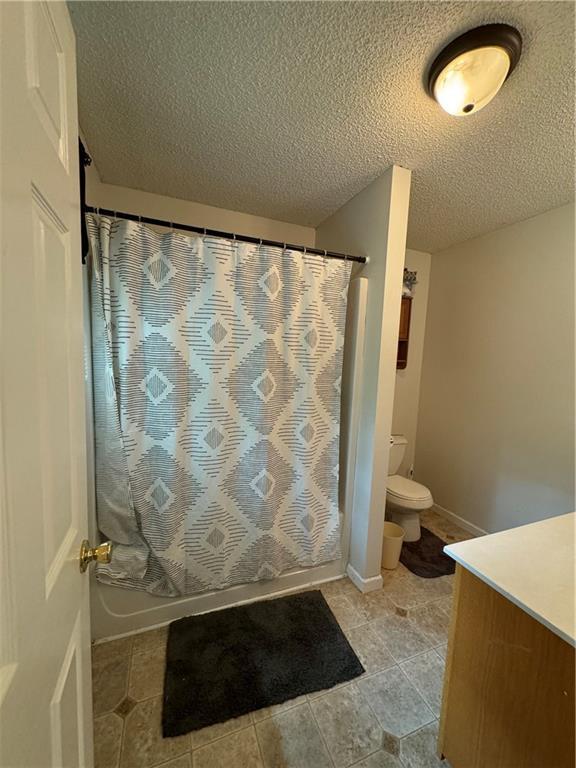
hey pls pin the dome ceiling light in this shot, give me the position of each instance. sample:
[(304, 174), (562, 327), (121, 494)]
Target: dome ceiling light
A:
[(469, 72)]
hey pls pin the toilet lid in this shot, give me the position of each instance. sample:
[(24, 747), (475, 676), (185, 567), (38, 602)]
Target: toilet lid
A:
[(404, 488)]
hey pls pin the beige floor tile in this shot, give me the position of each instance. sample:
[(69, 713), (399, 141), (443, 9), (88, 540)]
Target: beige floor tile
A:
[(348, 725), (369, 646), (125, 707), (432, 621), (239, 750), (147, 673), (446, 604), (317, 694), (418, 750), (426, 673), (110, 668), (147, 641), (395, 573), (112, 649), (396, 703), (391, 744), (277, 709), (107, 741), (401, 637), (430, 519), (444, 528), (372, 605), (345, 613), (184, 761), (434, 589), (406, 592), (452, 533), (379, 759), (218, 730), (292, 740), (442, 650), (338, 587), (143, 745)]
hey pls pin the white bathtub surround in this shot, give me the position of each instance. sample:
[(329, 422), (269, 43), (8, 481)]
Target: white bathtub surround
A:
[(532, 566)]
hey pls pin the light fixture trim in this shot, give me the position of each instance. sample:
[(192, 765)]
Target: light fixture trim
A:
[(501, 36)]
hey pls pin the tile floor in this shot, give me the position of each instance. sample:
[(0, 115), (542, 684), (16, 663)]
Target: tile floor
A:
[(388, 718)]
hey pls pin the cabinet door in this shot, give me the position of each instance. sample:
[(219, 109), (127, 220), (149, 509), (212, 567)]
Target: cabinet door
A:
[(405, 309)]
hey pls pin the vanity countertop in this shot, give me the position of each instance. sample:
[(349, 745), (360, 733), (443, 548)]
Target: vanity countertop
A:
[(533, 566)]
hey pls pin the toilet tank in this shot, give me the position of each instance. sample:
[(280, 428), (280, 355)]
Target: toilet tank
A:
[(398, 445)]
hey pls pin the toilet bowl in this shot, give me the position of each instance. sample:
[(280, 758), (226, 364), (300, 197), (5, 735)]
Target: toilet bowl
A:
[(405, 498)]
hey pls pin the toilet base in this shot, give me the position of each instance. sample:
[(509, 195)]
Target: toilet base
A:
[(408, 519)]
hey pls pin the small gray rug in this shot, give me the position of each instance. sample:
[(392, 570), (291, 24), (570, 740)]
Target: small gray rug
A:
[(425, 557), (227, 663)]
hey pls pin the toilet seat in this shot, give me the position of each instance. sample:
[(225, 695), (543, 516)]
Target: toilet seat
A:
[(407, 493)]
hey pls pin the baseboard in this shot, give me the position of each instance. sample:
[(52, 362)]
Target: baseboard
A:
[(468, 526), (364, 585)]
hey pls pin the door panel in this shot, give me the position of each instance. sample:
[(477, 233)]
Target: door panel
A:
[(45, 685), (46, 75)]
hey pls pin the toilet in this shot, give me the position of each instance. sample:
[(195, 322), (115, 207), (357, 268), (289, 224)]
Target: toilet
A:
[(404, 498)]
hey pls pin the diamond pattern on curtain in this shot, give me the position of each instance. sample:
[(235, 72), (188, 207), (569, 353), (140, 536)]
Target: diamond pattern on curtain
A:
[(216, 370)]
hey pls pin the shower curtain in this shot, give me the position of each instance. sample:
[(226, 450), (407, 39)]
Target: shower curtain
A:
[(216, 371)]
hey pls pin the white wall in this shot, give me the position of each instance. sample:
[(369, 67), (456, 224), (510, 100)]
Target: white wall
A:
[(495, 439), (187, 212), (374, 224), (407, 391)]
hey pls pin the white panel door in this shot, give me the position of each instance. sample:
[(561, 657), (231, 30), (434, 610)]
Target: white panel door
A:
[(45, 684)]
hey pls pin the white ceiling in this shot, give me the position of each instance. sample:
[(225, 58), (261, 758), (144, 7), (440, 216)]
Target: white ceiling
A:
[(288, 109)]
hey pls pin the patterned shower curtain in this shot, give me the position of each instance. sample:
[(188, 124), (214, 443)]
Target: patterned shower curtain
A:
[(216, 370)]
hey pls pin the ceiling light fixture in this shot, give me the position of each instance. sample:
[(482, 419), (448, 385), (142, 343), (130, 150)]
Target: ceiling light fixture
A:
[(469, 72)]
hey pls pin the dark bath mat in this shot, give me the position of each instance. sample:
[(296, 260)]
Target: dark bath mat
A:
[(227, 663), (425, 557)]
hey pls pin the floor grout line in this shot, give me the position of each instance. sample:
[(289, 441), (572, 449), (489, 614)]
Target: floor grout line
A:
[(121, 753), (258, 744), (380, 749), (324, 741), (224, 735)]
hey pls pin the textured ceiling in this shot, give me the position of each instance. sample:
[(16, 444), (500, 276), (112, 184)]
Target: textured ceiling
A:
[(287, 110)]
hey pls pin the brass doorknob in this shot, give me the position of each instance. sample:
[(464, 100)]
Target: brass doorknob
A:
[(102, 553)]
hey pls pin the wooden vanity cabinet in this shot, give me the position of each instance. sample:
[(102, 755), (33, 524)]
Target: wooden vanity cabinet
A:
[(404, 332)]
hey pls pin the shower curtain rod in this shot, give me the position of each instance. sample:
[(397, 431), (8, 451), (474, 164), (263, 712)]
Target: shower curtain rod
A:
[(226, 235)]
